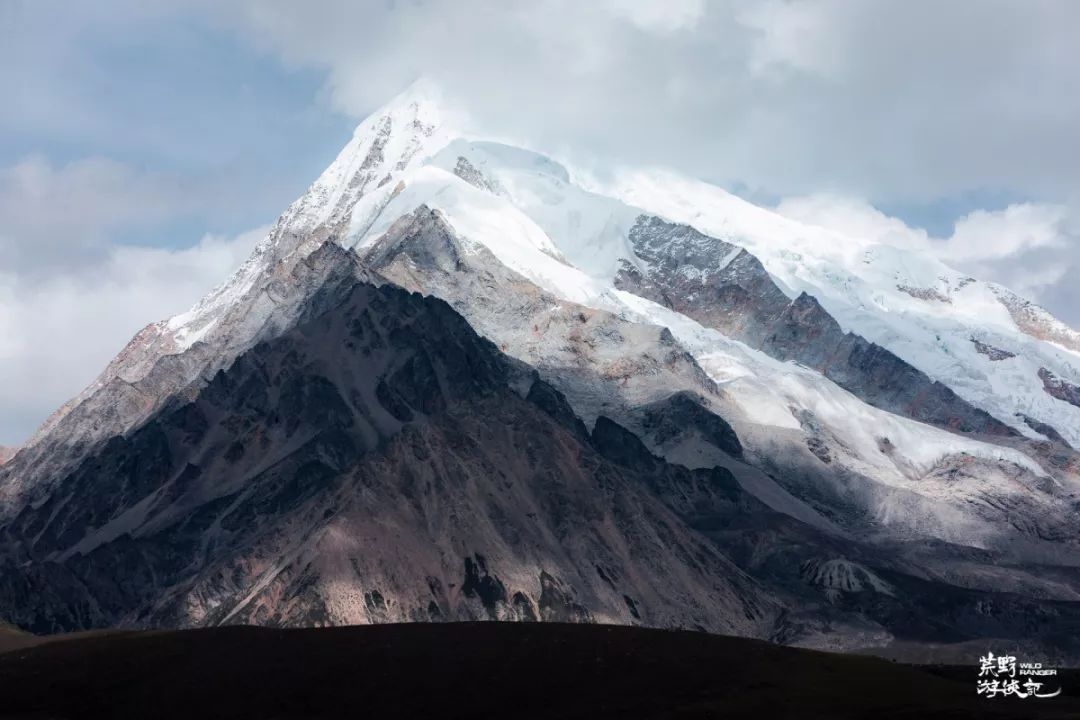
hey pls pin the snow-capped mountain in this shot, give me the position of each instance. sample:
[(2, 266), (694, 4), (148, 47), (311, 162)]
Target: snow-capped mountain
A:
[(646, 401)]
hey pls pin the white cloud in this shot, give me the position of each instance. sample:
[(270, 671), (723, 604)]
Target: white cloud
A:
[(891, 100), (63, 216), (663, 17), (797, 36), (70, 295), (854, 217), (58, 332), (1032, 248), (986, 236)]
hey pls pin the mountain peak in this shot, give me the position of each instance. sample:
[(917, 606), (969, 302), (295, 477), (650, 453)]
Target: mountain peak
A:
[(422, 101), (400, 135)]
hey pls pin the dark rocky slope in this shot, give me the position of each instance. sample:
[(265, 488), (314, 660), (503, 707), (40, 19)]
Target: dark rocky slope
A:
[(373, 464)]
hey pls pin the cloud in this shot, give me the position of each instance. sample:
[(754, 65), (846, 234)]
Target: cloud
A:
[(987, 236), (1031, 248), (72, 294), (892, 100), (663, 17), (47, 84), (59, 331), (171, 98), (793, 37), (854, 217), (65, 216)]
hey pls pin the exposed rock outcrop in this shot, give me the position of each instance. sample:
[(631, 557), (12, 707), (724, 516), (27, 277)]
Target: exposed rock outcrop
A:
[(725, 287), (1036, 321), (1060, 388), (994, 353)]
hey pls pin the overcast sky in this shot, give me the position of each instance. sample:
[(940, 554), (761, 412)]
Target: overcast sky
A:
[(146, 145)]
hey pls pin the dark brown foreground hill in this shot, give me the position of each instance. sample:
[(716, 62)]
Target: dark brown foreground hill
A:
[(479, 670), (11, 638)]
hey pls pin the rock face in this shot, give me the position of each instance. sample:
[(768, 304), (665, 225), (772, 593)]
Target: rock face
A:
[(683, 413), (603, 362), (995, 354), (376, 464), (925, 293), (726, 288), (1056, 387), (1047, 431), (1036, 321)]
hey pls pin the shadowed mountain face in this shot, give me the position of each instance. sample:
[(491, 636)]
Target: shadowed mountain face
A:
[(378, 462), (163, 363)]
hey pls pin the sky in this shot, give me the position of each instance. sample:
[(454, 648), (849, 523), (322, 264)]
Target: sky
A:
[(146, 146)]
